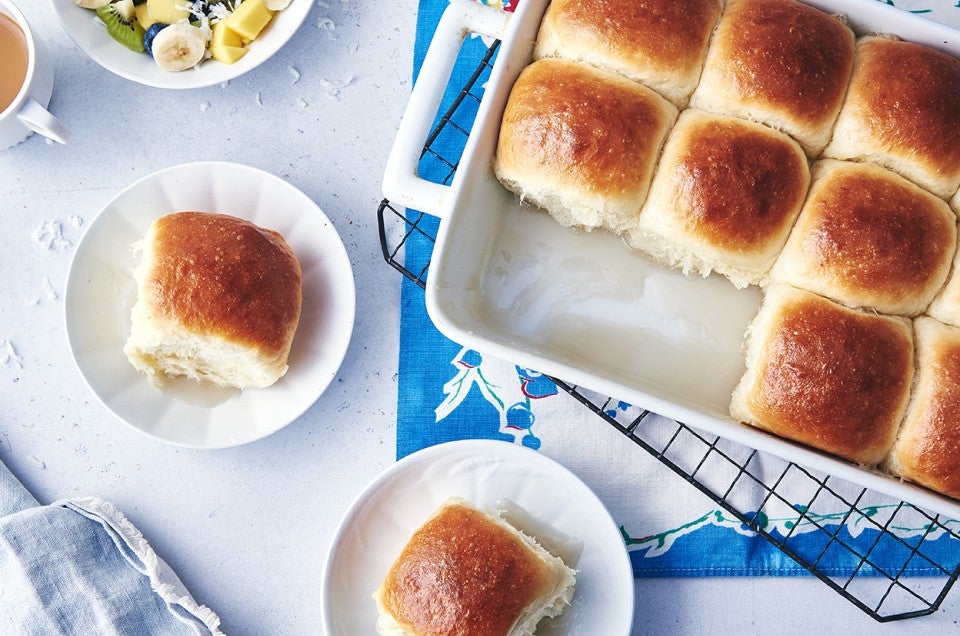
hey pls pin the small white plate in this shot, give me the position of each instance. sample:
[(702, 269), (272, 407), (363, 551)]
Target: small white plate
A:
[(91, 36), (101, 290), (395, 504)]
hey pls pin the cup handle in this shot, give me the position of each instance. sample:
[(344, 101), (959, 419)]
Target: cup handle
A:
[(39, 120)]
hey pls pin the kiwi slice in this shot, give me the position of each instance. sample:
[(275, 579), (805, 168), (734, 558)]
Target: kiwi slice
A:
[(122, 24)]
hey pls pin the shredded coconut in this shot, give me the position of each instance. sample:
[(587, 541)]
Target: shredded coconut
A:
[(326, 24), (218, 12), (259, 103), (333, 88), (49, 235), (48, 288), (39, 462), (198, 13), (303, 103), (204, 106), (295, 74), (8, 355), (75, 220)]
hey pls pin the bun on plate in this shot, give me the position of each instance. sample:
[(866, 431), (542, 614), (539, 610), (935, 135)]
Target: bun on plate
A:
[(218, 301), (467, 572)]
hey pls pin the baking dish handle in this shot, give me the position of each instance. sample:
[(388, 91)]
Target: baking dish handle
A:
[(400, 181)]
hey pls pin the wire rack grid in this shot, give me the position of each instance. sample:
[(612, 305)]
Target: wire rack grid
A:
[(731, 474)]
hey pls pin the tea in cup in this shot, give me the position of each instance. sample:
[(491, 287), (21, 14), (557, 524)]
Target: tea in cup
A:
[(26, 82)]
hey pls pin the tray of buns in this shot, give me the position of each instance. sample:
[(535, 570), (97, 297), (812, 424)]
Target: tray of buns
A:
[(588, 208), (620, 311)]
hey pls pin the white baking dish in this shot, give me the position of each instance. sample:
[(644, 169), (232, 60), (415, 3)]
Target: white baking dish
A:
[(510, 282)]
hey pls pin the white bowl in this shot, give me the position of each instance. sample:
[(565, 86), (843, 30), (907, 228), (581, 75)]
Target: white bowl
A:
[(90, 35), (101, 290)]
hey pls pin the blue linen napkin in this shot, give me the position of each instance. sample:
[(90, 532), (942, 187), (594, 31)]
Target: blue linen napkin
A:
[(80, 567), (447, 392)]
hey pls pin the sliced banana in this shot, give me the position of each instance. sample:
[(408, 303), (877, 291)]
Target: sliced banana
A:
[(91, 4), (179, 47), (276, 5)]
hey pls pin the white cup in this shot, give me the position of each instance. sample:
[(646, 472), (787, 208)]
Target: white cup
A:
[(28, 113)]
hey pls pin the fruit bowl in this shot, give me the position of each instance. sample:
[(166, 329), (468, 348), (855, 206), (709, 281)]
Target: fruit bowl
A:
[(90, 34)]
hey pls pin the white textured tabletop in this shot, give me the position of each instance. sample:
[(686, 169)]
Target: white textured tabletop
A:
[(247, 529)]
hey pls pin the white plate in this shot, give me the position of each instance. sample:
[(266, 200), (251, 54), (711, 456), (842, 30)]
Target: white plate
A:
[(90, 35), (101, 290), (514, 284), (395, 504)]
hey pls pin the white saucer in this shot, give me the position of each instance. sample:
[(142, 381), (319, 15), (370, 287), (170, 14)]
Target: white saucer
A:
[(101, 290), (395, 504)]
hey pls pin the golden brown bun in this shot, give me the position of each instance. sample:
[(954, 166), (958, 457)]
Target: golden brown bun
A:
[(219, 300), (581, 143), (824, 375), (781, 63), (661, 43), (869, 238), (724, 197), (903, 112), (946, 306), (927, 451), (467, 572)]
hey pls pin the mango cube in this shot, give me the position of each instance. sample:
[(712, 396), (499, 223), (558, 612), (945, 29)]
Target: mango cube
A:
[(223, 36), (249, 19), (226, 53), (143, 16), (167, 11)]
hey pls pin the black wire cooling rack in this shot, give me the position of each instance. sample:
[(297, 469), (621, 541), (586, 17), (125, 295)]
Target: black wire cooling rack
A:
[(731, 474)]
